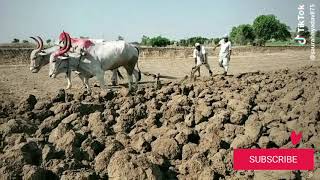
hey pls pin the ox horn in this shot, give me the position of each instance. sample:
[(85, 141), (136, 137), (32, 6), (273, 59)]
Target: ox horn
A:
[(67, 46), (68, 42), (41, 42), (36, 40)]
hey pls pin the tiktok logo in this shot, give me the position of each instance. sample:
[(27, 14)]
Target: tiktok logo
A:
[(300, 39), (301, 25)]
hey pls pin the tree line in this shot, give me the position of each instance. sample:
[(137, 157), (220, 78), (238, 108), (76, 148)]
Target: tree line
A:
[(263, 29), (15, 40), (160, 41)]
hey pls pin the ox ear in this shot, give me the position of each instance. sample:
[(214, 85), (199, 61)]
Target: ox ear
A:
[(63, 57), (42, 53)]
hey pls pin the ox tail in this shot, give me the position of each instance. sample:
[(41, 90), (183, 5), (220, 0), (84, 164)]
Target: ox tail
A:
[(119, 74), (139, 72)]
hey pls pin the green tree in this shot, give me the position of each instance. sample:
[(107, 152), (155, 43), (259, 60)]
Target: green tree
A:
[(233, 33), (183, 42), (304, 32), (283, 32), (25, 41), (15, 40), (243, 34), (193, 40), (159, 41), (268, 27), (216, 40), (145, 41)]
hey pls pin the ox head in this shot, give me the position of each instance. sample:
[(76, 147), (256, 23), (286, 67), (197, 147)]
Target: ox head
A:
[(58, 60), (37, 56)]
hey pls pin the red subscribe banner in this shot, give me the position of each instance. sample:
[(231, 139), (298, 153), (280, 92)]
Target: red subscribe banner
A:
[(273, 159)]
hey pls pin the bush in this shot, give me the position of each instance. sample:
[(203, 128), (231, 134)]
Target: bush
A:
[(159, 41), (198, 39)]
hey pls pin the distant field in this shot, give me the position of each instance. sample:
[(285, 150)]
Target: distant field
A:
[(282, 43)]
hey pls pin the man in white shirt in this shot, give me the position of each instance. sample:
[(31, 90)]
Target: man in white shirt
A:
[(225, 53), (200, 58)]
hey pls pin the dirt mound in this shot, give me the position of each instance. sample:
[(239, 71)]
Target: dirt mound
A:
[(184, 131)]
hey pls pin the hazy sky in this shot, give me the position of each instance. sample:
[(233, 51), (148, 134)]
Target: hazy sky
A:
[(131, 19)]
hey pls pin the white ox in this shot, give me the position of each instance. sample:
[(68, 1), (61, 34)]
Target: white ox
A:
[(96, 60), (40, 57)]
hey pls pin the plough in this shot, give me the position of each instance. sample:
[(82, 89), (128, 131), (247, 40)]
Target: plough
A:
[(157, 78)]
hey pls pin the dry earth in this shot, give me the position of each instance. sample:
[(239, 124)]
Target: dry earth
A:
[(16, 81), (185, 130)]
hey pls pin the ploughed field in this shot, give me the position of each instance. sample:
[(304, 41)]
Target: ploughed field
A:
[(16, 81), (185, 130)]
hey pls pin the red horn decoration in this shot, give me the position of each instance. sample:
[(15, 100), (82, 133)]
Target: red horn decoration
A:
[(36, 40), (62, 36), (67, 46), (41, 42), (58, 53)]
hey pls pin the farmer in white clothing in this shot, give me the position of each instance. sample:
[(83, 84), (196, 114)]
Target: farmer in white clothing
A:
[(225, 53), (200, 58)]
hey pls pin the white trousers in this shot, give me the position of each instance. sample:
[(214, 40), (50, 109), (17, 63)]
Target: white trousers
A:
[(224, 61)]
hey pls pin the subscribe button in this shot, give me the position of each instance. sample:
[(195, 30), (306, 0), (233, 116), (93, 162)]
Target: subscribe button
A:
[(273, 159)]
